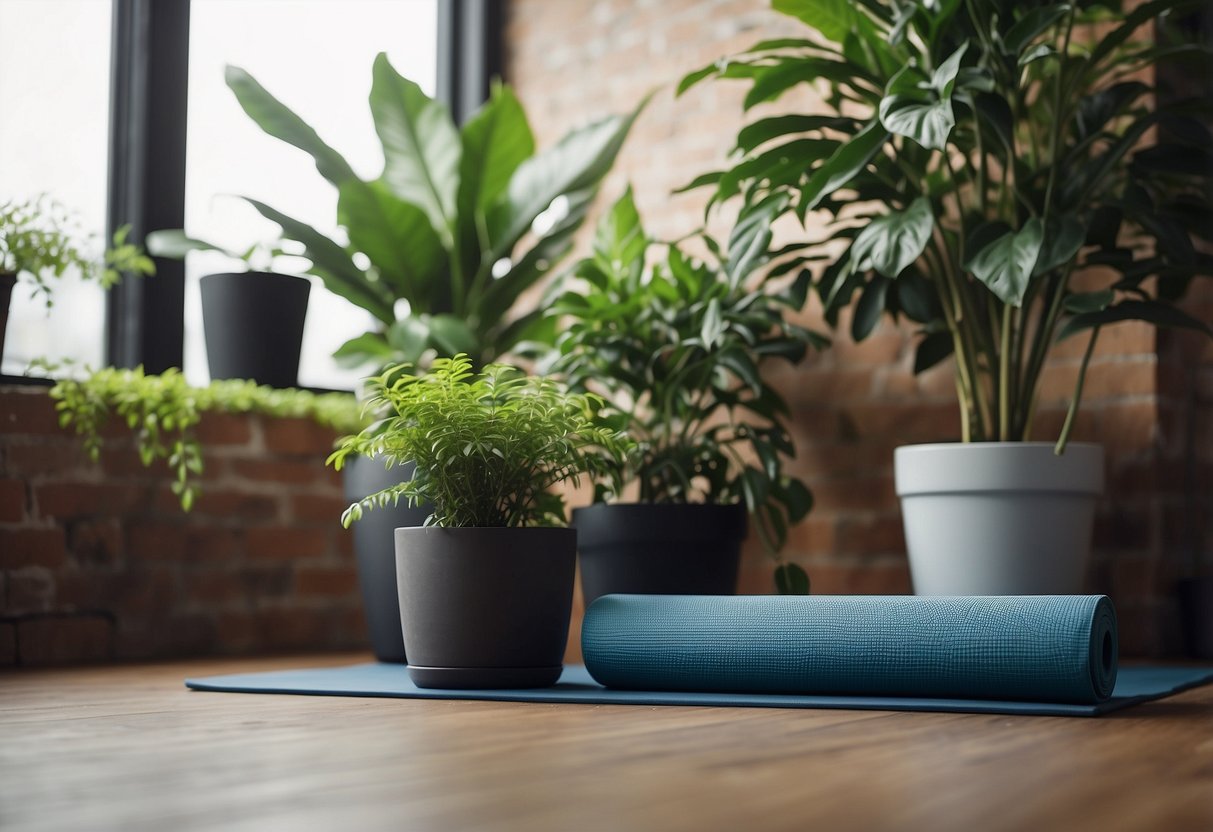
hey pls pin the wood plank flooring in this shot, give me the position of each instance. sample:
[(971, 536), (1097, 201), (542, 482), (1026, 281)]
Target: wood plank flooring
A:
[(130, 748)]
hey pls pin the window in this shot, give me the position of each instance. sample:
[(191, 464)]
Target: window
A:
[(315, 56), (54, 116)]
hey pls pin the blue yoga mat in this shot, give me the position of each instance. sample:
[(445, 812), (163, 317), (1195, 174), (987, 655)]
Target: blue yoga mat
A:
[(1051, 648), (576, 686)]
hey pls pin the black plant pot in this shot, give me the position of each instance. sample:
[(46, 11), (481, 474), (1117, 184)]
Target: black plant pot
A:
[(1196, 616), (485, 607), (659, 549), (254, 325), (375, 551), (7, 281)]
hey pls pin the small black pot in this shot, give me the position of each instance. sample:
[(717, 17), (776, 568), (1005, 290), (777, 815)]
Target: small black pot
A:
[(1196, 616), (254, 325), (659, 548), (7, 281), (375, 550), (485, 607)]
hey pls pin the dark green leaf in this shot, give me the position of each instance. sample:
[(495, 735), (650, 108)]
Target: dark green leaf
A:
[(1031, 24), (1005, 265), (766, 129), (843, 165), (1088, 301), (870, 307), (791, 579), (1159, 314), (833, 18), (892, 242), (1063, 238), (932, 349)]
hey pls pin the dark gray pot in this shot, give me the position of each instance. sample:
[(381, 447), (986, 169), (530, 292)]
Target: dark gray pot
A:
[(485, 607), (8, 280), (659, 548), (254, 325), (376, 552)]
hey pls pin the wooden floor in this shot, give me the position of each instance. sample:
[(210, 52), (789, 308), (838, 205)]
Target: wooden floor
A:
[(129, 748)]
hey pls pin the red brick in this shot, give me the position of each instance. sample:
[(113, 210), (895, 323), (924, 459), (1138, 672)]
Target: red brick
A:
[(326, 582), (8, 644), (32, 547), (263, 582), (213, 588), (46, 456), (290, 472), (77, 499), (858, 494), (224, 429), (293, 629), (882, 535), (907, 423), (813, 535), (213, 545), (236, 632), (124, 461), (225, 505), (152, 540), (318, 509), (859, 579), (28, 411), (12, 501), (298, 436), (282, 542), (95, 542), (64, 640), (30, 589)]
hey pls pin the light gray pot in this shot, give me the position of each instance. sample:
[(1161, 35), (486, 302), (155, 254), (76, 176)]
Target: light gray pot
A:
[(485, 607), (998, 518)]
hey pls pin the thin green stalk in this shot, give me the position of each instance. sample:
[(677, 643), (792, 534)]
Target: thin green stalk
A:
[(1004, 377), (1060, 447)]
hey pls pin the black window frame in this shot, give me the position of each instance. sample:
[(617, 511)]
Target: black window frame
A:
[(145, 319)]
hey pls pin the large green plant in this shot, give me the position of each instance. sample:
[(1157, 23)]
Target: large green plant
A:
[(163, 411), (486, 446), (461, 222), (679, 350), (40, 241), (1006, 174)]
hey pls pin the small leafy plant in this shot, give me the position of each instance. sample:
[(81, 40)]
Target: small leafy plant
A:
[(175, 245), (1006, 174), (162, 411), (678, 350), (41, 241), (487, 446)]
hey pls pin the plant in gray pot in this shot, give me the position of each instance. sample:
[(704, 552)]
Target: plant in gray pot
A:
[(1005, 175), (486, 584), (253, 320), (442, 249), (678, 350)]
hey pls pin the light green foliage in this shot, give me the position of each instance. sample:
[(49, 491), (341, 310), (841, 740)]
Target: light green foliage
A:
[(970, 158), (41, 241), (460, 224), (487, 446), (678, 349), (162, 412)]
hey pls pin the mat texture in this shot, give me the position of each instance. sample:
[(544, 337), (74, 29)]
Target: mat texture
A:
[(1055, 648), (1134, 685)]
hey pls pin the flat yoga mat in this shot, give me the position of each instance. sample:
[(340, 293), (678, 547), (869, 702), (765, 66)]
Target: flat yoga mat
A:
[(576, 686), (1047, 648)]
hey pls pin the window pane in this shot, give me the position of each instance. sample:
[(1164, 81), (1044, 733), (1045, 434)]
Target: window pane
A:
[(315, 56), (54, 135)]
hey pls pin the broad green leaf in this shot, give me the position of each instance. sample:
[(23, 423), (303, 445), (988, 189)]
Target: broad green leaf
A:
[(619, 239), (377, 222), (1031, 24), (577, 162), (892, 242), (1063, 238), (713, 324), (833, 18), (791, 579), (750, 238), (1089, 301), (924, 115), (332, 264), (869, 308), (496, 140), (766, 129), (773, 81), (409, 337), (1159, 314), (932, 349), (797, 499), (1005, 265), (451, 335), (361, 349), (174, 244), (918, 298), (276, 119), (421, 146), (843, 165)]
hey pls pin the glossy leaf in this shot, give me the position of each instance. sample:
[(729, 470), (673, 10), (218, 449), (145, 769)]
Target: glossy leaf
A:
[(892, 242), (843, 165), (1005, 265)]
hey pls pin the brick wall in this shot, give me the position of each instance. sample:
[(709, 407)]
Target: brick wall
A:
[(571, 62), (98, 561)]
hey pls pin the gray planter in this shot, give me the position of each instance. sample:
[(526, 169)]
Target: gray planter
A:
[(254, 325), (659, 548), (375, 550), (998, 518), (485, 607)]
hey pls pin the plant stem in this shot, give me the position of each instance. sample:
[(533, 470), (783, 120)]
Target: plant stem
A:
[(1004, 376), (1060, 447)]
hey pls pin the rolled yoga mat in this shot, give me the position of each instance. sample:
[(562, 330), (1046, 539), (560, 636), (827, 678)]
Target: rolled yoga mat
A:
[(1057, 648)]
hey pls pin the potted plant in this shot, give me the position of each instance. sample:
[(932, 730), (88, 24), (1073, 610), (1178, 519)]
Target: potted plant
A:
[(39, 241), (678, 349), (253, 320), (486, 584), (440, 249), (1002, 175)]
